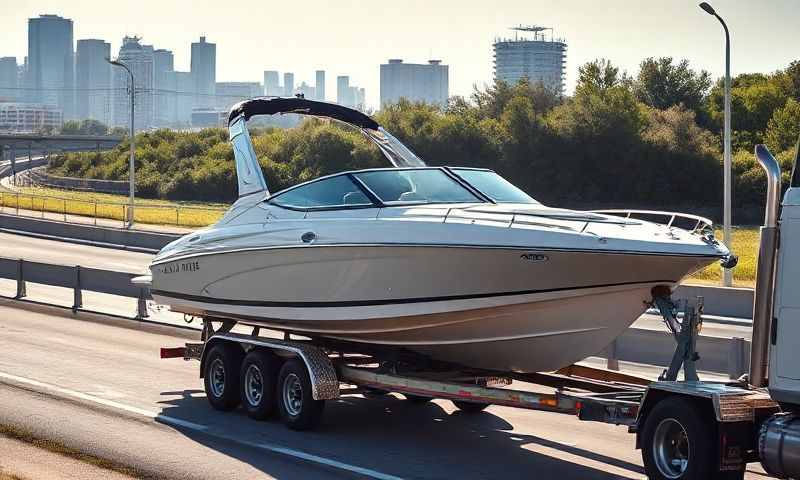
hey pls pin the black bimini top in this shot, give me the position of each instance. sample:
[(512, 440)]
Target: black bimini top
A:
[(271, 106)]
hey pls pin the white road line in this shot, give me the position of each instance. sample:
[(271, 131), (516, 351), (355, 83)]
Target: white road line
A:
[(198, 427)]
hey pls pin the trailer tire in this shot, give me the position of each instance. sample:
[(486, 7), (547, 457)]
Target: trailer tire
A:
[(420, 399), (296, 403), (258, 375), (221, 375), (677, 442), (470, 407)]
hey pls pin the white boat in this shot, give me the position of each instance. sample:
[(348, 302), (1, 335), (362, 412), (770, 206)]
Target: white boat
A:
[(453, 263)]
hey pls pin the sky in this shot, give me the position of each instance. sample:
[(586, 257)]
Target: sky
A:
[(351, 37)]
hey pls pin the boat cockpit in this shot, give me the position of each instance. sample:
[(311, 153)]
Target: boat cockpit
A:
[(400, 186)]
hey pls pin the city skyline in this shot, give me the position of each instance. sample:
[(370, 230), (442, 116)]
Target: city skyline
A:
[(348, 39)]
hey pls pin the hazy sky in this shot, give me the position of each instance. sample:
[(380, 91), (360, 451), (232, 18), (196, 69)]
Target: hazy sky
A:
[(354, 37)]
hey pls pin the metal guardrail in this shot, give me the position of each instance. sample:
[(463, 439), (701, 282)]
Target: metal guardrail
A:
[(24, 204), (38, 177), (78, 278), (718, 354)]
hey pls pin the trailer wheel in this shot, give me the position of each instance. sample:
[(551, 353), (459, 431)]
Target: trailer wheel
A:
[(298, 408), (221, 376), (470, 407), (417, 398), (258, 375), (677, 442)]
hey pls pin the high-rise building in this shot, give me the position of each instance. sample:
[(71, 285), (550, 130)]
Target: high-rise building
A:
[(164, 101), (204, 71), (344, 93), (415, 82), (139, 58), (50, 77), (349, 95), (320, 86), (184, 98), (538, 58), (288, 84), (93, 97), (231, 93), (272, 83), (9, 86)]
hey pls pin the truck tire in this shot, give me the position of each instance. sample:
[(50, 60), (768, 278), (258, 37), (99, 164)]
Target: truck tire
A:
[(221, 375), (296, 403), (678, 442), (258, 375), (470, 407)]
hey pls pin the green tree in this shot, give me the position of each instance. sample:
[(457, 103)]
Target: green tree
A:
[(783, 129), (661, 83)]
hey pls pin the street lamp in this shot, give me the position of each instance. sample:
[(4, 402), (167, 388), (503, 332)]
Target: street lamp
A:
[(726, 212), (131, 166)]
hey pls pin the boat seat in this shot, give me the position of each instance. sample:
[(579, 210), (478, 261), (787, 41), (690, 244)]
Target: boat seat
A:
[(411, 197)]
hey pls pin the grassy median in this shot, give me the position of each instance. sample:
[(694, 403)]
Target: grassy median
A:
[(104, 205)]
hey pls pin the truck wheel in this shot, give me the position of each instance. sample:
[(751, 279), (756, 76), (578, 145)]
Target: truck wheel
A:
[(258, 375), (677, 442), (221, 375), (470, 407), (298, 408)]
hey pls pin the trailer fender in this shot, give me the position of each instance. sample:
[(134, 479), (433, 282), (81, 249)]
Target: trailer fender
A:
[(324, 381)]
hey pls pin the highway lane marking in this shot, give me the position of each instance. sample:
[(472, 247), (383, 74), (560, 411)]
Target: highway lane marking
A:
[(201, 428), (102, 401)]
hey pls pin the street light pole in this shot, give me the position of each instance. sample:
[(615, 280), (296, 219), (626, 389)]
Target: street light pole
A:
[(131, 166), (727, 279)]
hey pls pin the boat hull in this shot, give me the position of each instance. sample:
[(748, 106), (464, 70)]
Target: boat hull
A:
[(496, 308)]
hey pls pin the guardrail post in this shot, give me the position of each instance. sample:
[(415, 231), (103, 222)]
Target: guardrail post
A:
[(22, 291), (141, 307), (17, 204), (65, 210), (78, 300), (736, 357), (95, 212), (612, 362), (177, 216)]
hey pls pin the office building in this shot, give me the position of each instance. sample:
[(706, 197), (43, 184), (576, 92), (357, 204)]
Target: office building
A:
[(184, 98), (231, 93), (93, 97), (29, 117), (272, 83), (288, 84), (164, 96), (50, 76), (537, 57), (9, 79), (415, 82), (349, 95), (204, 71), (139, 58), (319, 87)]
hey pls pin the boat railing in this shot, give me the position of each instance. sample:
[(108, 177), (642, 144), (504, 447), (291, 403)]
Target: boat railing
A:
[(702, 225)]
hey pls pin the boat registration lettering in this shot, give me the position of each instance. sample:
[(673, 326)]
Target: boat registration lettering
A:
[(534, 257), (181, 267)]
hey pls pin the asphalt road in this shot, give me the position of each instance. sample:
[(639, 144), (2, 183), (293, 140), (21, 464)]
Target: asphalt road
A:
[(100, 387)]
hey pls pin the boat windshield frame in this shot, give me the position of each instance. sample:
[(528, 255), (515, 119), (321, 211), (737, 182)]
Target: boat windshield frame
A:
[(376, 202)]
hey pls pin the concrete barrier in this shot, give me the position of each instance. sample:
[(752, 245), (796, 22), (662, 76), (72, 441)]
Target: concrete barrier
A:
[(722, 301), (115, 237)]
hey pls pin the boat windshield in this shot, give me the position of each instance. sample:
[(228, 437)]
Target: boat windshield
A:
[(416, 186), (493, 186)]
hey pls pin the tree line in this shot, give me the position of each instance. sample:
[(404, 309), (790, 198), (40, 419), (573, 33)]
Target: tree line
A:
[(650, 140)]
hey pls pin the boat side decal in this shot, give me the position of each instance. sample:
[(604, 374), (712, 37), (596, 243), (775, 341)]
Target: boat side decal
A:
[(390, 301)]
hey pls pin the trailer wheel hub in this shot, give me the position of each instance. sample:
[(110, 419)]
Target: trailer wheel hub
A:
[(671, 448)]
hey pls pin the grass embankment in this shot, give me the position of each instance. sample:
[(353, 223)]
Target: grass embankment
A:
[(105, 205), (745, 245)]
